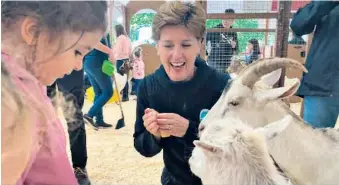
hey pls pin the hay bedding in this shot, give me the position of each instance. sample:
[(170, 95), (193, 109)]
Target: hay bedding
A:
[(112, 158)]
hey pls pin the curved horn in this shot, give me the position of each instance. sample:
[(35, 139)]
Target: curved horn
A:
[(265, 66)]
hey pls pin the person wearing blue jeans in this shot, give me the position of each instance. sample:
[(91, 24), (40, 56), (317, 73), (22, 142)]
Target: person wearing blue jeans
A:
[(102, 85), (320, 86)]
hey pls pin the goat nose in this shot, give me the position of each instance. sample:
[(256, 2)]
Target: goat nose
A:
[(201, 127)]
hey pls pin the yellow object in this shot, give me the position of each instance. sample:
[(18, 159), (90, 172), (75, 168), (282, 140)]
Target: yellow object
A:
[(165, 134), (90, 96)]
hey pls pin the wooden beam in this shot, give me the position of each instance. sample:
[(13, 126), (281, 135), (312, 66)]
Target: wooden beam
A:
[(283, 23), (203, 46), (247, 15), (242, 16), (240, 30)]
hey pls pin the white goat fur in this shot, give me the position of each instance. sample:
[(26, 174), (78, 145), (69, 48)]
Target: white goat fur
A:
[(236, 154), (306, 155)]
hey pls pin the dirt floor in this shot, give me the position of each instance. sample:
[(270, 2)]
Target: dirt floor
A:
[(112, 158)]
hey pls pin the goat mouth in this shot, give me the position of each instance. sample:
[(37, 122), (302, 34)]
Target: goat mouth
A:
[(177, 65)]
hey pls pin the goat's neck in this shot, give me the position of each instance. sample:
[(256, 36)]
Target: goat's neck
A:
[(244, 172), (306, 155)]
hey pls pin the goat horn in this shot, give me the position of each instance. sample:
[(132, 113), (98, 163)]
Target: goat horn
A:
[(265, 66)]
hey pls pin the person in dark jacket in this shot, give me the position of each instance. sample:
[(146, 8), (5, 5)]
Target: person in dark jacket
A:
[(170, 100), (320, 86), (71, 86), (222, 45)]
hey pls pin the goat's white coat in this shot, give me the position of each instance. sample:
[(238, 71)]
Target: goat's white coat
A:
[(235, 154), (306, 155)]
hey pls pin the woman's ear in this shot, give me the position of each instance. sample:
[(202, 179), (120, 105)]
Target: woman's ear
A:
[(29, 29)]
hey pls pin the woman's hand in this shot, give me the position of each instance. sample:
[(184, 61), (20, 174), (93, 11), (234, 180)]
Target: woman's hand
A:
[(172, 123), (150, 122)]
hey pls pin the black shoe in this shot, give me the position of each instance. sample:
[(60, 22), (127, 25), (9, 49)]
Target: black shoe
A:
[(125, 99), (90, 121), (82, 176), (104, 125), (133, 93)]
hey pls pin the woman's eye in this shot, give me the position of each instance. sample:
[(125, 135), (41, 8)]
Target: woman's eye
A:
[(186, 46), (76, 53), (168, 46)]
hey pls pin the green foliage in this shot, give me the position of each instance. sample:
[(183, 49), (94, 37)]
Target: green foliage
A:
[(210, 23), (145, 20), (243, 37), (139, 21)]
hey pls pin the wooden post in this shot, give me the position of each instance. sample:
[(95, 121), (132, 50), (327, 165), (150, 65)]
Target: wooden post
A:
[(266, 37), (203, 44), (282, 34)]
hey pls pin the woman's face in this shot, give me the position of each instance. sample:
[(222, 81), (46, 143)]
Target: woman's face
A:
[(249, 46), (227, 23), (178, 49)]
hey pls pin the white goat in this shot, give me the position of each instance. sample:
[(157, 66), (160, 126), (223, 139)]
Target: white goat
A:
[(306, 155), (230, 152)]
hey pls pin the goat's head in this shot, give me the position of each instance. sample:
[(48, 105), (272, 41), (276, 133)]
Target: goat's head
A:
[(234, 145), (246, 101)]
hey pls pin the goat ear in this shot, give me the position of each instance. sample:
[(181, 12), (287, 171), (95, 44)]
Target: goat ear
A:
[(278, 93), (271, 78), (273, 129), (207, 148)]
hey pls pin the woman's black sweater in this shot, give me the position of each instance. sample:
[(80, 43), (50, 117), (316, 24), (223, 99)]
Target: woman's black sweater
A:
[(187, 99)]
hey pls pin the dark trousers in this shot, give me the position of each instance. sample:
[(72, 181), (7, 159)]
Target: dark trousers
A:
[(72, 87), (135, 85), (125, 89)]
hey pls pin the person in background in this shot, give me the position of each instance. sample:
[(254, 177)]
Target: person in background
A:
[(253, 51), (71, 86), (122, 53), (170, 99), (39, 46), (138, 70), (102, 83), (320, 86), (222, 45), (297, 40)]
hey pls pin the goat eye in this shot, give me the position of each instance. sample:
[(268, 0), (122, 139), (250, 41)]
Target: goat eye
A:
[(233, 103)]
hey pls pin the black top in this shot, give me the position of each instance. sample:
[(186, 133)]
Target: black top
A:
[(322, 62), (187, 99), (221, 48)]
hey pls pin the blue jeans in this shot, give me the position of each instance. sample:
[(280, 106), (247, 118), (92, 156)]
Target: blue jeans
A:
[(102, 86), (135, 86), (321, 112)]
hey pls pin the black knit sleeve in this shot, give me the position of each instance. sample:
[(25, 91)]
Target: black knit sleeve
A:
[(144, 141), (192, 132)]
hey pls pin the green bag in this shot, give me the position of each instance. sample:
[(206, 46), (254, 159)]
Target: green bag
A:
[(108, 68)]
